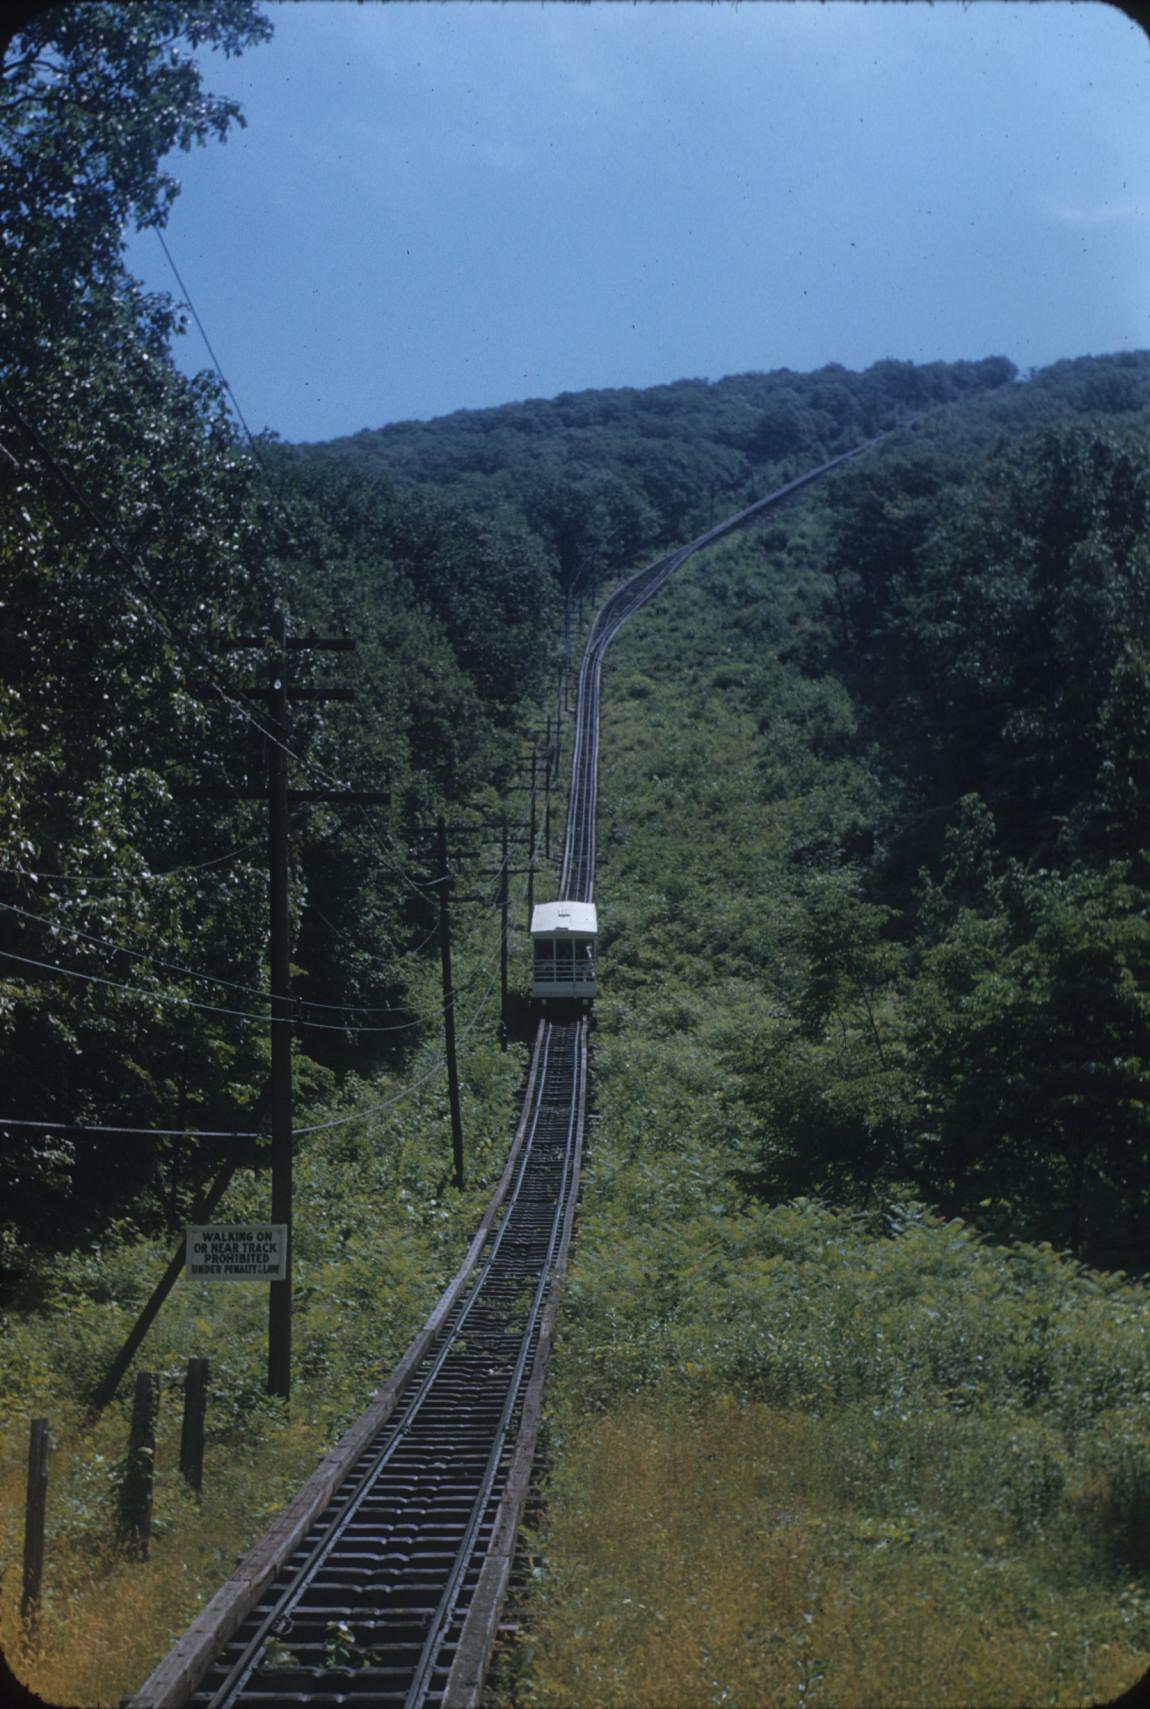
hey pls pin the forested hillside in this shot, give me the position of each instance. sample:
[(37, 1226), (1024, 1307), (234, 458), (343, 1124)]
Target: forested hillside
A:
[(602, 477), (983, 613), (963, 620), (964, 617), (143, 537), (874, 889), (971, 1018)]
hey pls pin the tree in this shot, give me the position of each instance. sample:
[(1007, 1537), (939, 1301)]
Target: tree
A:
[(130, 530), (92, 98), (996, 637), (1026, 1029), (828, 1083)]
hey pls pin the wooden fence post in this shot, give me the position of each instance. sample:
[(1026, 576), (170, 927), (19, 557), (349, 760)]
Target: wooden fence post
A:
[(139, 1475), (192, 1431), (35, 1514)]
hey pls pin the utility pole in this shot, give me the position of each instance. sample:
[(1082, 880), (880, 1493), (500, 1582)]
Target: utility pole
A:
[(531, 843), (556, 746), (449, 1002), (502, 902), (547, 804), (275, 646), (280, 1293), (504, 892), (279, 797)]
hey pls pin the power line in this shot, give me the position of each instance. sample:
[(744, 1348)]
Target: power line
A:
[(122, 878), (236, 701), (272, 489), (205, 1133), (134, 990), (276, 496), (375, 1109), (173, 997), (245, 1015), (174, 872), (125, 949), (239, 704), (289, 522), (145, 1132), (192, 1133), (207, 341), (191, 972), (208, 1133)]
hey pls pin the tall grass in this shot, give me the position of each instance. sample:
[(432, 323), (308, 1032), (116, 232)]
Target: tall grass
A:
[(107, 1619), (727, 1555)]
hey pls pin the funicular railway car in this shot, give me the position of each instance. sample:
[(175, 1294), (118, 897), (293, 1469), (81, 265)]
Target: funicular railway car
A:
[(563, 946)]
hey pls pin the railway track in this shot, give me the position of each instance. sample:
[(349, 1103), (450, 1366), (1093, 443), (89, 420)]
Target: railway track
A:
[(383, 1581)]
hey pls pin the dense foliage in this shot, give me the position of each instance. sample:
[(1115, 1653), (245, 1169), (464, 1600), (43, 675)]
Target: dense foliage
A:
[(970, 1020), (139, 536), (602, 476), (364, 1283)]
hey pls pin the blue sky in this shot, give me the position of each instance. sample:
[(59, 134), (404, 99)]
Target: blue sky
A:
[(447, 206)]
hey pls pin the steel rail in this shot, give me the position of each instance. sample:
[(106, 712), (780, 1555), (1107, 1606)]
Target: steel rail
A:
[(277, 1619), (389, 1562), (565, 1205), (172, 1682)]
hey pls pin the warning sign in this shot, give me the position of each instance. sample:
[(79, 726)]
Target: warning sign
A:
[(238, 1252)]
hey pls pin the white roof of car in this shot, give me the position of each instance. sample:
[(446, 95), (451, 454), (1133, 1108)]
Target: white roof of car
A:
[(550, 918)]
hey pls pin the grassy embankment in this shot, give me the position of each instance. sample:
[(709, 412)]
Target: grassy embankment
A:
[(798, 1455), (378, 1232)]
